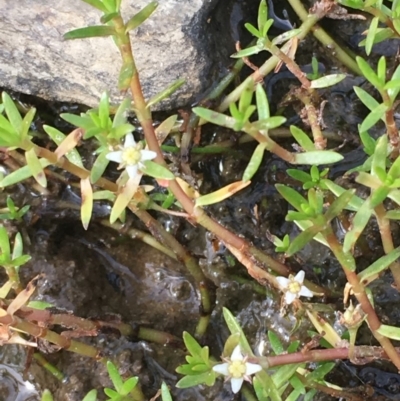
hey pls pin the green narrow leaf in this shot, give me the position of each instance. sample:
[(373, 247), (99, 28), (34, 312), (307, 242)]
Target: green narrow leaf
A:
[(373, 117), (359, 223), (393, 92), (104, 110), (35, 167), (262, 103), (129, 385), (97, 4), (120, 115), (83, 121), (125, 76), (339, 204), (284, 37), (91, 396), (245, 100), (141, 16), (4, 243), (370, 39), (254, 162), (114, 376), (302, 240), (46, 396), (221, 194), (317, 157), (87, 202), (265, 387), (291, 196), (58, 137), (391, 332), (110, 4), (21, 174), (269, 123), (235, 328), (157, 170), (378, 266), (191, 344), (18, 246), (369, 73), (90, 32), (327, 80), (381, 69), (123, 198), (253, 30), (165, 93), (26, 123), (275, 343), (302, 138), (99, 166), (247, 52), (379, 156), (262, 15), (366, 98), (12, 112), (165, 394), (215, 117), (108, 17)]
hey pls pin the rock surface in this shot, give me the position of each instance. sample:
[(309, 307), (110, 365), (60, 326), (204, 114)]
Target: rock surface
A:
[(34, 59)]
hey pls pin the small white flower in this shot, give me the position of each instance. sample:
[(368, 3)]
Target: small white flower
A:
[(131, 156), (237, 369), (293, 287)]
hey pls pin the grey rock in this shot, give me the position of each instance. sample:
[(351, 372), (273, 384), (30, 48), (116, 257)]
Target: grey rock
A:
[(34, 59)]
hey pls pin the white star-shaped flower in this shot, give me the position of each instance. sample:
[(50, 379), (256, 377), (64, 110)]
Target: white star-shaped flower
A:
[(293, 287), (131, 156), (237, 369)]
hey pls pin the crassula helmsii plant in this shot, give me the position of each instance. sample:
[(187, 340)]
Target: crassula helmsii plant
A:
[(285, 373)]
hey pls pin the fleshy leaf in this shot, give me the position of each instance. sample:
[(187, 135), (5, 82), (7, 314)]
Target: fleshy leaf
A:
[(302, 138), (141, 16), (254, 162), (87, 202), (156, 170), (215, 117), (124, 197), (317, 157), (35, 167), (90, 32), (327, 80), (21, 174), (221, 194), (165, 93)]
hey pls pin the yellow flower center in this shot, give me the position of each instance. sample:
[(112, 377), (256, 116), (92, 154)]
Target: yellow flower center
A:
[(132, 156), (294, 287), (237, 369)]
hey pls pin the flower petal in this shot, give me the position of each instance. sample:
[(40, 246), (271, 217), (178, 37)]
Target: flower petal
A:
[(299, 277), (290, 297), (282, 281), (305, 292), (236, 384), (252, 368), (222, 368), (129, 141), (147, 155), (115, 156), (237, 354), (132, 170)]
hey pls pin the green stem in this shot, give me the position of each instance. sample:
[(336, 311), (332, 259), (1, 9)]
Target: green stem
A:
[(268, 66), (321, 35), (359, 292), (387, 241)]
